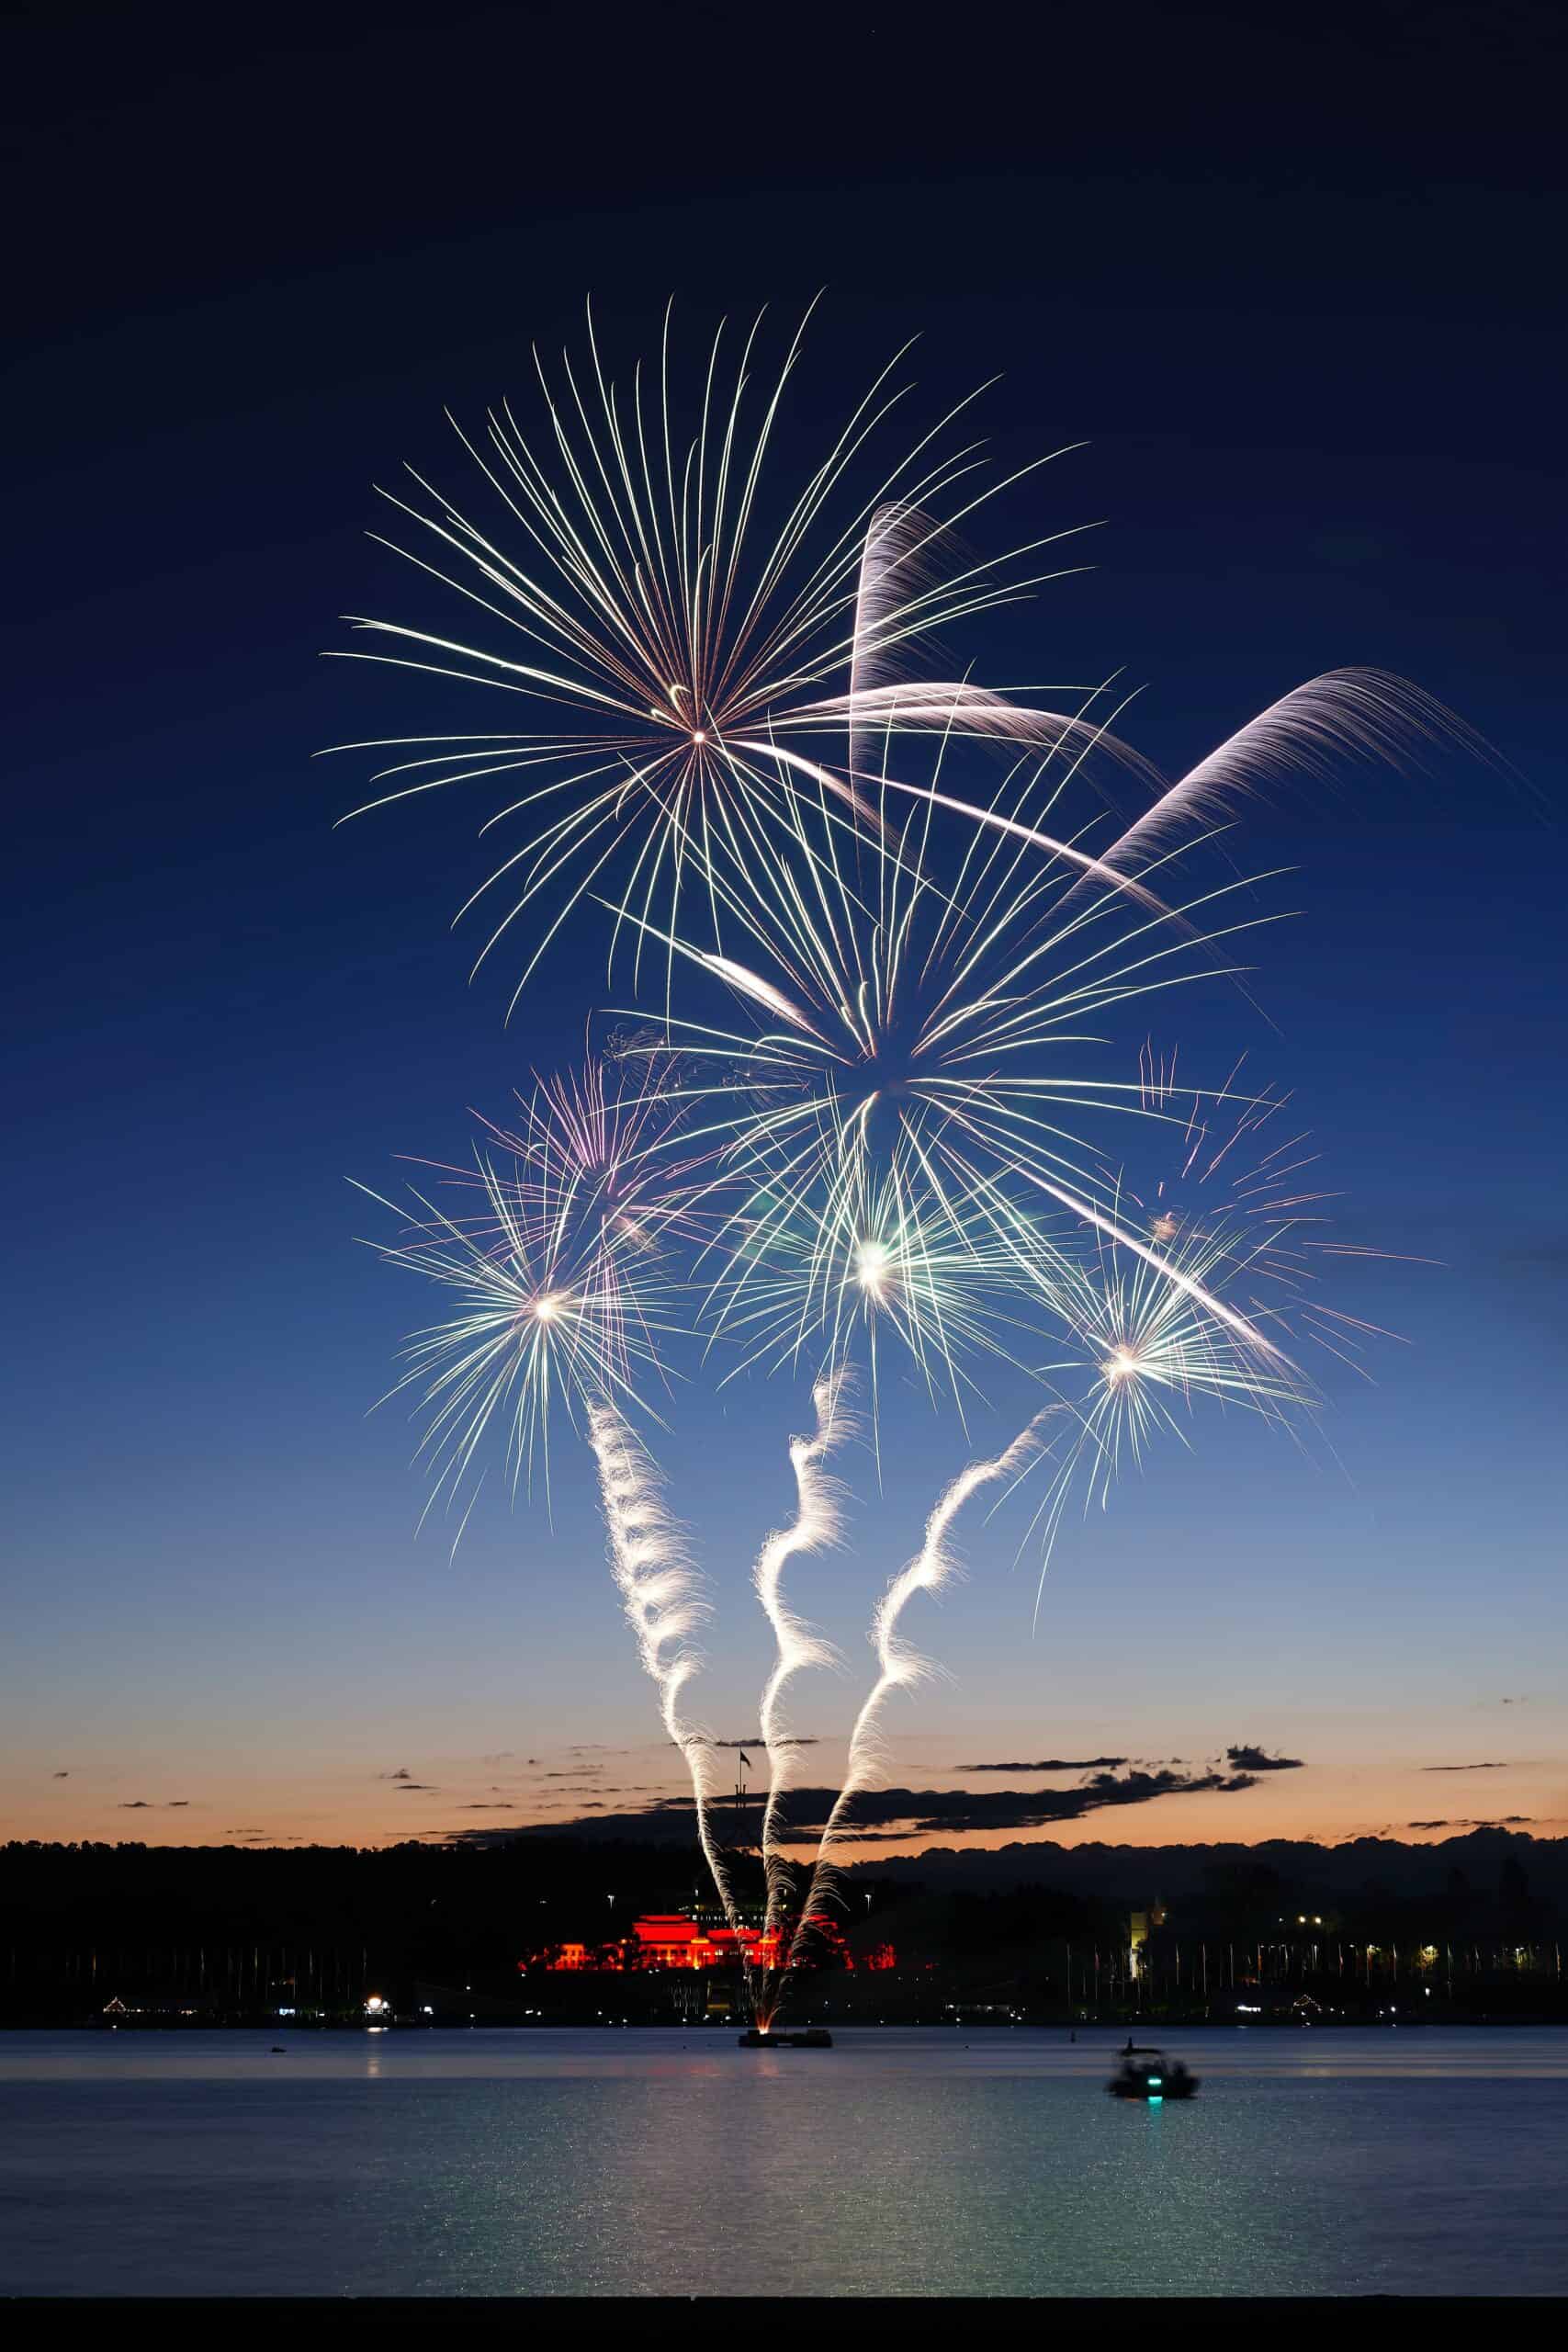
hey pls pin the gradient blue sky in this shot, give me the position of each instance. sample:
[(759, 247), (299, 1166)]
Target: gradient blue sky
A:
[(1318, 363)]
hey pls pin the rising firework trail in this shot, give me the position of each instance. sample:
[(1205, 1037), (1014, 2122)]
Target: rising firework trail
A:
[(816, 1525), (898, 1667), (659, 1595)]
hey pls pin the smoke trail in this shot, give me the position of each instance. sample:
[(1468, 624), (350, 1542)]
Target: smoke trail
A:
[(658, 1593), (900, 1668), (815, 1525)]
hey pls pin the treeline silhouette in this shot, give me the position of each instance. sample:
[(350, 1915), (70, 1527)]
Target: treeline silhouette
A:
[(1472, 1929)]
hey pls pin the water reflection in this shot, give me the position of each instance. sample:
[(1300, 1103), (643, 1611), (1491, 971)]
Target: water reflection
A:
[(899, 2162)]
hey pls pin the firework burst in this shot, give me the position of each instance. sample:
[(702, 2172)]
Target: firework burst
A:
[(923, 1058), (669, 632), (1146, 1344), (843, 1273), (555, 1251)]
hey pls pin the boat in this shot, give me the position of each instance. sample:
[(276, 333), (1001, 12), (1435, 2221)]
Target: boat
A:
[(1148, 2074), (814, 2037)]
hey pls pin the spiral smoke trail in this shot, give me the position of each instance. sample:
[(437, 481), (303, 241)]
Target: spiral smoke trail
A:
[(816, 1524), (658, 1593), (898, 1668)]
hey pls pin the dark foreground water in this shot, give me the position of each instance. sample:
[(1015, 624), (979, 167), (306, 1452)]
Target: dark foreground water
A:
[(674, 2163)]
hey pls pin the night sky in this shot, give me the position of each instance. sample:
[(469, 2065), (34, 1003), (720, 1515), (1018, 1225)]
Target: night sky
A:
[(1298, 289)]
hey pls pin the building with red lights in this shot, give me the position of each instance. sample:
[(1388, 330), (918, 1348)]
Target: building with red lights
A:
[(686, 1940)]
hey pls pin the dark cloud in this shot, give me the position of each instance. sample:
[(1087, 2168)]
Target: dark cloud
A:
[(1257, 1759), (1464, 1768), (1505, 1821), (60, 1776), (407, 1788), (882, 1816), (403, 1773), (1053, 1764), (963, 1810), (761, 1743), (153, 1804), (487, 1808)]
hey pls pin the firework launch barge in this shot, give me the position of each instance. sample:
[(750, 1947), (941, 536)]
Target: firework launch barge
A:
[(816, 2037)]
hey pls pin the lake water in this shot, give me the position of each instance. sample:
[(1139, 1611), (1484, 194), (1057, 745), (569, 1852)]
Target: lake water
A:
[(644, 2162)]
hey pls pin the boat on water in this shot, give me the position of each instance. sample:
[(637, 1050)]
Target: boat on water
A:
[(814, 2037), (1146, 2073)]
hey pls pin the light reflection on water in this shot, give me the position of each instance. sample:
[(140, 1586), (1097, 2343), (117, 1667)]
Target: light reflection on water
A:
[(674, 2163)]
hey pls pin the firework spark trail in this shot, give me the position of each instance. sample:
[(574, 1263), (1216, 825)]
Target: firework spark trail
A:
[(898, 1668), (662, 1604), (1176, 1275), (815, 1526), (1090, 869), (1355, 713)]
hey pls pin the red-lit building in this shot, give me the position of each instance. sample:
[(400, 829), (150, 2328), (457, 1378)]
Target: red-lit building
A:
[(677, 1939), (671, 1939)]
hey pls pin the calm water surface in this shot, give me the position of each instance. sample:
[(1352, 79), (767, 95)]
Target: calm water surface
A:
[(674, 2163)]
